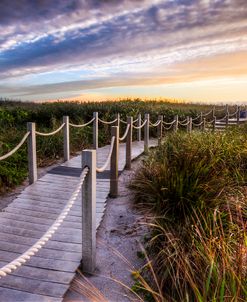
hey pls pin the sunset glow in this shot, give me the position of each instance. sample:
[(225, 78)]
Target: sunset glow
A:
[(188, 49)]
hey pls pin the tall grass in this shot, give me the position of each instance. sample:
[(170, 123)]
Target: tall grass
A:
[(48, 116), (194, 186)]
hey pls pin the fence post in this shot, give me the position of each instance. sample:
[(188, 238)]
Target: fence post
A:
[(227, 109), (238, 115), (213, 112), (114, 163), (66, 146), (214, 124), (139, 131), (146, 133), (159, 129), (188, 124), (117, 123), (175, 127), (95, 130), (204, 124), (32, 154), (89, 212), (227, 119), (201, 120), (129, 143)]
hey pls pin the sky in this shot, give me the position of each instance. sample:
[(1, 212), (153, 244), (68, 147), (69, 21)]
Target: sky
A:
[(111, 49)]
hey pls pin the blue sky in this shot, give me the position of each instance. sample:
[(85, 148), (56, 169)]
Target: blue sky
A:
[(81, 49)]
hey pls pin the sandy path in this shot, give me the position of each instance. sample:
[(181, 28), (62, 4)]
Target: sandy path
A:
[(120, 233)]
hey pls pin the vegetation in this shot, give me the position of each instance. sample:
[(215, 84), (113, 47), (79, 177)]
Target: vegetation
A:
[(48, 116), (194, 187)]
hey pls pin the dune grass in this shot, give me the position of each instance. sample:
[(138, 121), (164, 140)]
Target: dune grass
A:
[(194, 186)]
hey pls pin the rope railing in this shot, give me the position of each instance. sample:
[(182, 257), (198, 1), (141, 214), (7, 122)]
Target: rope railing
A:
[(168, 128), (197, 124), (82, 125), (222, 119), (125, 133), (108, 123), (155, 124), (196, 118), (102, 169), (16, 148), (234, 113), (122, 121), (136, 120), (20, 260), (184, 123), (139, 127), (171, 123), (50, 133), (207, 113)]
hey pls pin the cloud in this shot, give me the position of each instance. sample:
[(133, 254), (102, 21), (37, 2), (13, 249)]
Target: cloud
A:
[(125, 40)]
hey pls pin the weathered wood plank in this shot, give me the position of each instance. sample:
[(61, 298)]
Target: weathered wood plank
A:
[(12, 295)]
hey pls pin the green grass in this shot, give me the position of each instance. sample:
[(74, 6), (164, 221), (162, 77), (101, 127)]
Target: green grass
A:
[(194, 186), (48, 116)]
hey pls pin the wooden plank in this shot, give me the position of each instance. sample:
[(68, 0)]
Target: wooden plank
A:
[(35, 261), (43, 253), (42, 274), (12, 295), (39, 287), (51, 244)]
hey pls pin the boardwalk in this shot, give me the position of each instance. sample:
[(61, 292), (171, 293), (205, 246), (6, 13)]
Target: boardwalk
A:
[(48, 274)]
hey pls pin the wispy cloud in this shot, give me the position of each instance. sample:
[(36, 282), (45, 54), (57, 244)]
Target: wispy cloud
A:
[(129, 42)]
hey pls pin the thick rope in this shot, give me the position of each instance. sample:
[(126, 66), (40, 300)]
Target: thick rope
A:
[(207, 113), (155, 124), (197, 117), (197, 125), (83, 125), (222, 119), (102, 169), (183, 121), (142, 125), (13, 265), (125, 133), (184, 124), (50, 133), (171, 123), (136, 120), (108, 123), (123, 121), (234, 113), (17, 147), (168, 128)]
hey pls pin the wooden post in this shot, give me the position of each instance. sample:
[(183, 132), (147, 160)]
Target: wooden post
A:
[(32, 153), (139, 131), (175, 127), (146, 133), (204, 125), (238, 115), (66, 146), (213, 112), (129, 143), (201, 120), (159, 129), (227, 118), (117, 123), (214, 124), (188, 124), (227, 109), (89, 212), (114, 163), (95, 130)]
